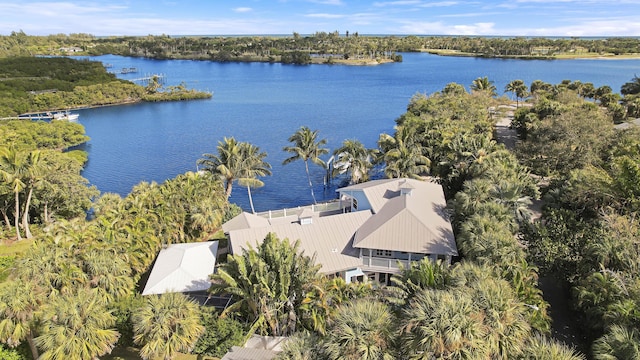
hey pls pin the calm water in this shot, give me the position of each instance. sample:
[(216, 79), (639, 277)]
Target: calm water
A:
[(265, 103)]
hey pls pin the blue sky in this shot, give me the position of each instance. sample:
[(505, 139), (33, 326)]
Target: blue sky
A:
[(242, 17)]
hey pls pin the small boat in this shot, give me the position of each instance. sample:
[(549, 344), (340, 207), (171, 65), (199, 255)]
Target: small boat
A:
[(66, 116)]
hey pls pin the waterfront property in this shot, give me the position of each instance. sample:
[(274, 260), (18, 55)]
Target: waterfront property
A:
[(383, 224)]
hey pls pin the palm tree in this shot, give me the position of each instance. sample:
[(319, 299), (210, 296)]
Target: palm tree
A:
[(631, 87), (540, 348), (484, 84), (226, 163), (33, 175), (110, 275), (539, 87), (519, 88), (268, 283), (301, 346), (444, 325), (19, 303), (403, 154), (363, 329), (76, 326), (13, 168), (353, 157), (237, 161), (306, 147), (420, 275), (253, 166), (504, 317), (511, 195), (165, 325), (617, 343)]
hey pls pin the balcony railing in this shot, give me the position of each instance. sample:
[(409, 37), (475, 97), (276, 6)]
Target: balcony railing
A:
[(331, 207), (386, 263)]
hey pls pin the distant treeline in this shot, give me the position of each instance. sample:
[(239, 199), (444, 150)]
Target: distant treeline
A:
[(318, 47)]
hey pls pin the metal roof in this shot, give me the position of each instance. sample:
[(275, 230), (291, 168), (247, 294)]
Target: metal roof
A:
[(244, 220), (376, 191), (239, 353), (406, 223), (182, 268), (329, 238), (415, 221)]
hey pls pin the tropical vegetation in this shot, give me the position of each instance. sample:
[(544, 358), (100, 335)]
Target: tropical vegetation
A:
[(72, 291)]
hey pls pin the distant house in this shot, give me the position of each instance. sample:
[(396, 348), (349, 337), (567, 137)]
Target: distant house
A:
[(72, 49), (183, 268), (384, 223)]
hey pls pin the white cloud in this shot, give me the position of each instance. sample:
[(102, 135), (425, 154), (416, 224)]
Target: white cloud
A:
[(439, 4), (242, 9), (478, 14), (397, 3), (325, 16), (327, 2), (594, 27), (440, 28)]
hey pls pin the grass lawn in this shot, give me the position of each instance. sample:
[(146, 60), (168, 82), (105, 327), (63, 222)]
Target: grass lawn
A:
[(15, 247), (8, 252)]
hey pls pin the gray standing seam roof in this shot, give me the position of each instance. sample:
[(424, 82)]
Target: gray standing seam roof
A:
[(329, 238)]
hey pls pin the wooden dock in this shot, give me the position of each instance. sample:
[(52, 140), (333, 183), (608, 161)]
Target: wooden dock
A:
[(46, 116)]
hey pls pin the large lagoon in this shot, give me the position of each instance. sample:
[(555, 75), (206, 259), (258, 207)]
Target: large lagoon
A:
[(265, 103)]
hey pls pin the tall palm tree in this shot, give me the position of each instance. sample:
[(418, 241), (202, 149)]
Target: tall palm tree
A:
[(363, 329), (14, 168), (76, 326), (306, 147), (353, 157), (519, 88), (484, 84), (403, 154), (226, 163), (539, 87), (165, 325), (34, 173), (237, 161), (253, 166)]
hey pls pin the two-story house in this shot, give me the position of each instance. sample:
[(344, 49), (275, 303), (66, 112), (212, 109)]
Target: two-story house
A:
[(384, 223)]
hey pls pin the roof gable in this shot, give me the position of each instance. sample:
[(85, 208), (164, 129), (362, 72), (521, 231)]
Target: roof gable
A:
[(182, 268), (244, 220), (415, 222)]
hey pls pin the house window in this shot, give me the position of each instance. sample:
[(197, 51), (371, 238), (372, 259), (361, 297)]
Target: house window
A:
[(382, 278), (383, 253), (354, 203)]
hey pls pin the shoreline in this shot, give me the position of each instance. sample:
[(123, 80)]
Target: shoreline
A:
[(455, 53)]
